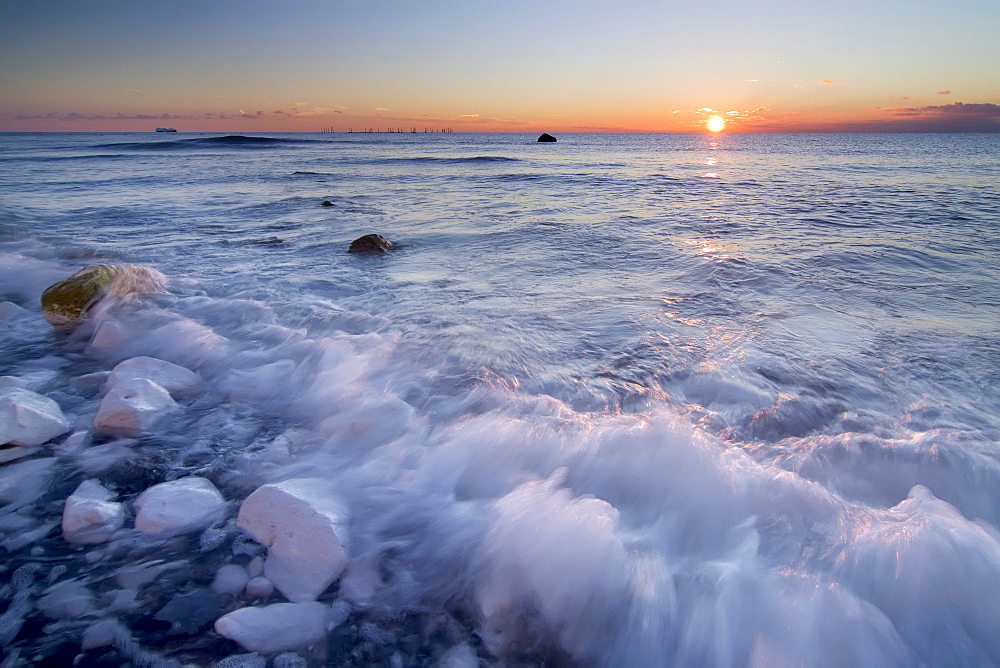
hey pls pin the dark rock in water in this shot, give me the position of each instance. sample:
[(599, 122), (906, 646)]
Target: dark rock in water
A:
[(545, 136), (190, 612), (327, 202), (370, 243), (270, 241), (68, 302)]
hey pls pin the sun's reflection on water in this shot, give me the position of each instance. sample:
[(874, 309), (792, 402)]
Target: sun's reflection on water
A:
[(709, 249)]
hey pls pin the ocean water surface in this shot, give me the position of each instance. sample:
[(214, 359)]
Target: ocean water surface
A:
[(627, 400)]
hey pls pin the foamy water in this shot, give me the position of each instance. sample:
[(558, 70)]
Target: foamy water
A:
[(619, 400)]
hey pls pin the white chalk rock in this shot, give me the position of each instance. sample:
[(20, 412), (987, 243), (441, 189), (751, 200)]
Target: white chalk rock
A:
[(259, 587), (90, 381), (11, 454), (230, 579), (34, 381), (179, 506), (90, 516), (108, 336), (275, 628), (304, 526), (27, 418), (132, 407), (171, 377), (255, 567), (73, 444)]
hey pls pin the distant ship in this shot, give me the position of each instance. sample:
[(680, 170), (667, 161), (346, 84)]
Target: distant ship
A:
[(165, 130)]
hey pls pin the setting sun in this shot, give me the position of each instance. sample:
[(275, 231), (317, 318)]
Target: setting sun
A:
[(716, 124)]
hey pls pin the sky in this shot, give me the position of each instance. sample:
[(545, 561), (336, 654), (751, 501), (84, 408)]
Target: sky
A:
[(512, 65)]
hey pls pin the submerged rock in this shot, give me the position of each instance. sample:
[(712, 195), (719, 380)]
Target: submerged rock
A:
[(370, 243), (180, 506), (191, 611), (304, 527), (132, 407), (545, 136), (28, 418), (230, 579), (171, 377), (69, 599), (10, 310), (259, 587), (69, 302), (23, 482), (90, 516), (275, 628), (327, 202), (15, 452)]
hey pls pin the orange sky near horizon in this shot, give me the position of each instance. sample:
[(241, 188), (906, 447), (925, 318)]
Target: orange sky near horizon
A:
[(584, 66)]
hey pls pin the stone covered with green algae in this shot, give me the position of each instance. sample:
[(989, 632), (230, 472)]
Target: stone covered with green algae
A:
[(69, 302)]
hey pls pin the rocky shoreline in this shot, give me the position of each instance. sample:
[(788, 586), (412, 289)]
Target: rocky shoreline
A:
[(118, 549)]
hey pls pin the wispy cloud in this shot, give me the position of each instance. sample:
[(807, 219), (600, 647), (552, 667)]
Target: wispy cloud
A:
[(944, 92), (735, 119), (315, 111), (756, 114), (831, 82), (797, 82), (599, 128), (983, 110), (167, 116), (956, 117), (76, 116)]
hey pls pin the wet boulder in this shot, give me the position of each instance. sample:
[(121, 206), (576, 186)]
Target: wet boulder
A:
[(179, 506), (230, 579), (259, 587), (131, 407), (546, 137), (304, 526), (28, 418), (280, 627), (69, 302), (370, 243), (90, 516), (174, 378)]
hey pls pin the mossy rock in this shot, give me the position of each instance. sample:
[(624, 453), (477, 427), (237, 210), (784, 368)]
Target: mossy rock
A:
[(70, 301)]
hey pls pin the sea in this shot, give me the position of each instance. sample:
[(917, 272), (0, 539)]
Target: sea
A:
[(618, 400)]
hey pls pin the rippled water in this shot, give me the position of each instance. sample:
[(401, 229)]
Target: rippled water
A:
[(618, 400)]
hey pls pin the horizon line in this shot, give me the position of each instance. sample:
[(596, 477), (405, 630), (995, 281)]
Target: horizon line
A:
[(527, 132)]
